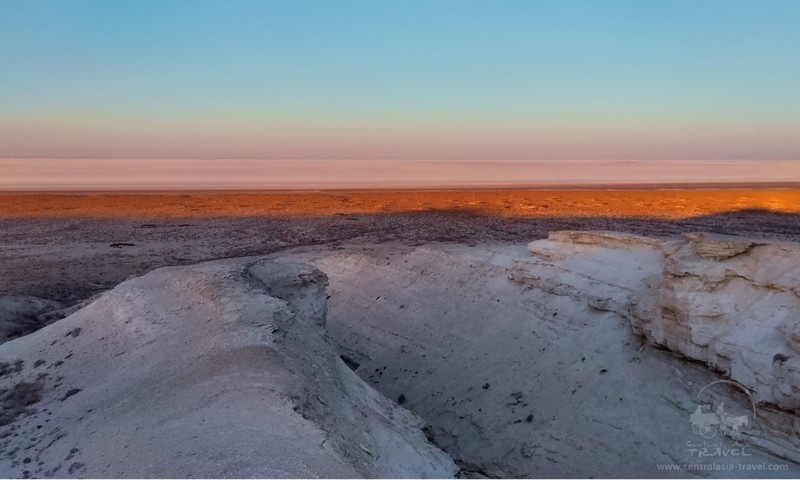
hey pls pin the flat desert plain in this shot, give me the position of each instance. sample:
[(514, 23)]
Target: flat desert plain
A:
[(69, 246), (626, 201)]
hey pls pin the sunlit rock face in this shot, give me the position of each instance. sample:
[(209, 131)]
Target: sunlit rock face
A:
[(222, 369), (729, 302)]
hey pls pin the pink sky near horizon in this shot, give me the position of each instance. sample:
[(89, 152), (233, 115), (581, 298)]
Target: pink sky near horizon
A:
[(26, 174), (404, 139)]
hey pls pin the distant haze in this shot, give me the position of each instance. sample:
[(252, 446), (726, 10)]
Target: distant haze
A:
[(232, 174)]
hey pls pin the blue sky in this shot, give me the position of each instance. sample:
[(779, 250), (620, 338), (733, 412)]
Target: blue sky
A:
[(404, 79)]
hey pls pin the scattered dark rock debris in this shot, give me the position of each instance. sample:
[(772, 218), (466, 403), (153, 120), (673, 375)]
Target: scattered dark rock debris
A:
[(148, 225), (120, 245), (603, 370), (75, 467), (379, 372), (72, 453), (51, 473), (70, 392), (517, 396), (7, 368), (74, 332), (18, 400), (529, 418), (38, 363), (780, 358), (401, 399), (486, 386)]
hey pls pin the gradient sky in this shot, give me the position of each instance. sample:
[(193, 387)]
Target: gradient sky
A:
[(562, 79)]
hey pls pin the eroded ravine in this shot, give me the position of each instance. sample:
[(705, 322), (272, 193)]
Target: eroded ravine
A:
[(519, 380)]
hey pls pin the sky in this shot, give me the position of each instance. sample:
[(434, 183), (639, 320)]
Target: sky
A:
[(434, 79)]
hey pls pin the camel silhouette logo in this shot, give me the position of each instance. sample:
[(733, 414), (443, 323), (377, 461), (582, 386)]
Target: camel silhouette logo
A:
[(708, 423)]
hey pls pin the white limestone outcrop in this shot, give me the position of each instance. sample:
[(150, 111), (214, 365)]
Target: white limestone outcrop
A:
[(530, 377), (222, 369), (729, 302)]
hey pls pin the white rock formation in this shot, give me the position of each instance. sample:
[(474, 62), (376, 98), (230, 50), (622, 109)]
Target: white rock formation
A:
[(522, 365), (222, 369), (731, 303), (531, 376)]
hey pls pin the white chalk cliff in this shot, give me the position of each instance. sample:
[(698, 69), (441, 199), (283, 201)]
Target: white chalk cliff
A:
[(729, 302), (222, 369), (522, 363)]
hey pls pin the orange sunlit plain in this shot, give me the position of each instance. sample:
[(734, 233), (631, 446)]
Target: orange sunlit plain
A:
[(662, 204)]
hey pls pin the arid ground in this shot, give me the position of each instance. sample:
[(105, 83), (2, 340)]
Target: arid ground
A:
[(668, 203), (67, 247)]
